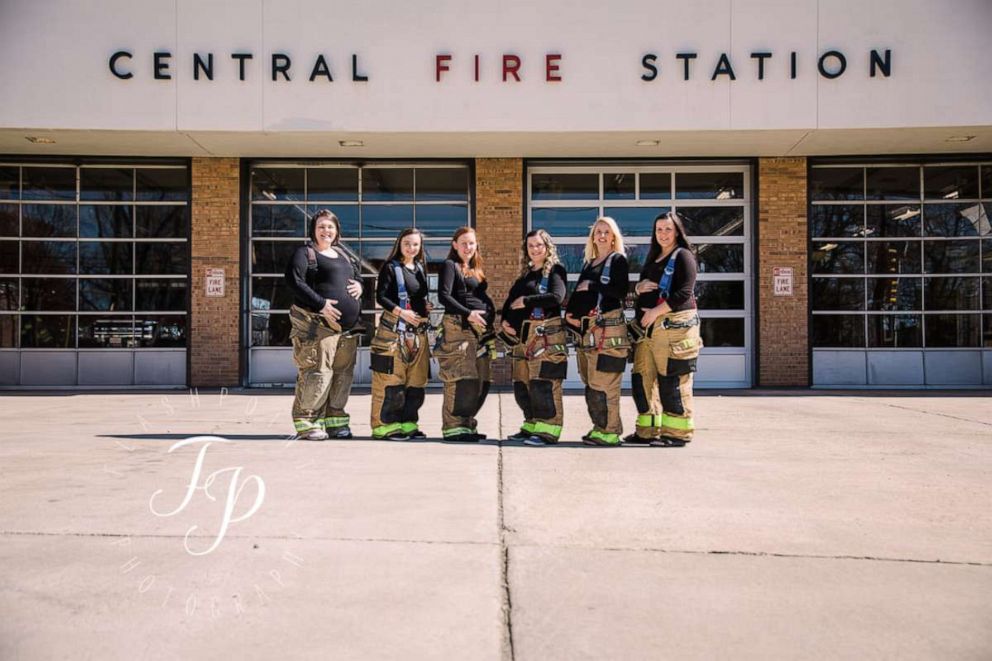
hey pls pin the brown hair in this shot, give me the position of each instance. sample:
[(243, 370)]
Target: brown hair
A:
[(549, 261), (474, 267), (397, 251), (325, 213), (680, 238)]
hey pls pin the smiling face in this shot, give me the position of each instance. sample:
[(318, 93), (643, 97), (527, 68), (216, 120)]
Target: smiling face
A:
[(537, 251), (325, 232), (465, 246), (410, 247), (602, 237), (665, 234)]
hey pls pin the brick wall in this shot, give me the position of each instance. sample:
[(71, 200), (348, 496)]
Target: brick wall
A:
[(500, 228), (783, 333), (214, 340)]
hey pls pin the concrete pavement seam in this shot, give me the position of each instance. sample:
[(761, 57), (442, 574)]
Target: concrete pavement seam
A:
[(506, 651), (758, 554), (943, 415)]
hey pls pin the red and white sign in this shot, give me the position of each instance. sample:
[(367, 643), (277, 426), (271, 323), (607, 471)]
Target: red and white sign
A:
[(782, 280), (215, 283)]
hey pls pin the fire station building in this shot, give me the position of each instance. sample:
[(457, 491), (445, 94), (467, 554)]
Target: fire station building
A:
[(159, 161)]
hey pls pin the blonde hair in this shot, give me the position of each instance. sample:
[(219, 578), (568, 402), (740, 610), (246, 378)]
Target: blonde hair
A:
[(590, 251), (549, 261)]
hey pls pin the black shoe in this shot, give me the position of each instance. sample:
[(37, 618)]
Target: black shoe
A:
[(482, 437), (397, 435), (462, 438), (339, 432), (669, 442), (519, 436), (637, 440), (416, 433)]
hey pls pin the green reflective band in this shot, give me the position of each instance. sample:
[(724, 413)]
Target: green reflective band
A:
[(306, 425), (610, 439), (545, 428), (645, 420), (685, 424), (339, 421), (527, 427), (455, 431), (383, 430), (407, 427)]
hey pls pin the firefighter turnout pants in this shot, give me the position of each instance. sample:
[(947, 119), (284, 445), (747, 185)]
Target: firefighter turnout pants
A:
[(540, 362), (463, 367), (325, 359), (664, 362), (400, 368), (602, 358)]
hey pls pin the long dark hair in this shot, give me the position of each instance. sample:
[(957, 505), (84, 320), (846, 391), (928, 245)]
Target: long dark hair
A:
[(474, 266), (324, 213), (680, 238), (549, 261), (397, 251)]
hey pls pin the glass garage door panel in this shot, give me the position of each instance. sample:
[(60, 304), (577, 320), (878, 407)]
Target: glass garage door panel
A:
[(94, 263), (715, 202)]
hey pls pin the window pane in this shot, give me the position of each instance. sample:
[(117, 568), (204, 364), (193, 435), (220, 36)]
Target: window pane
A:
[(54, 220), (9, 260), (987, 331), (385, 221), (884, 220), (441, 220), (270, 294), (838, 330), (109, 184), (838, 220), (953, 330), (51, 257), (51, 331), (387, 184), (8, 294), (839, 257), (720, 257), (48, 183), (986, 256), (895, 331), (108, 222), (109, 294), (48, 294), (272, 256), (951, 256), (986, 181), (951, 293), (9, 223), (10, 185), (709, 185), (374, 253), (8, 331), (106, 331), (104, 257), (332, 184), (161, 259), (895, 293), (635, 221), (636, 254), (987, 293), (953, 219), (161, 184), (564, 222), (166, 295), (951, 182), (437, 252), (160, 330), (160, 222), (722, 332), (270, 330), (561, 186), (836, 184), (894, 183), (618, 186), (347, 216), (712, 295), (894, 256), (442, 184), (572, 258), (838, 293), (656, 186), (717, 221), (277, 184), (278, 220)]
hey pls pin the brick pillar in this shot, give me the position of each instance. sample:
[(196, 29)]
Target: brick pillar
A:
[(500, 228), (214, 340), (783, 333)]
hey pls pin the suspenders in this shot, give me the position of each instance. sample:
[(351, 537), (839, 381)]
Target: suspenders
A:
[(542, 288), (604, 278), (401, 292), (665, 284)]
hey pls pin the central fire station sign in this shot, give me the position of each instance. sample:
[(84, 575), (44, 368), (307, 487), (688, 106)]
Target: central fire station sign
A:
[(782, 281)]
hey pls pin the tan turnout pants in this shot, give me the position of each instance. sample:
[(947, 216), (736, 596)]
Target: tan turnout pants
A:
[(602, 359), (664, 363), (400, 369), (465, 375), (326, 362), (540, 362)]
